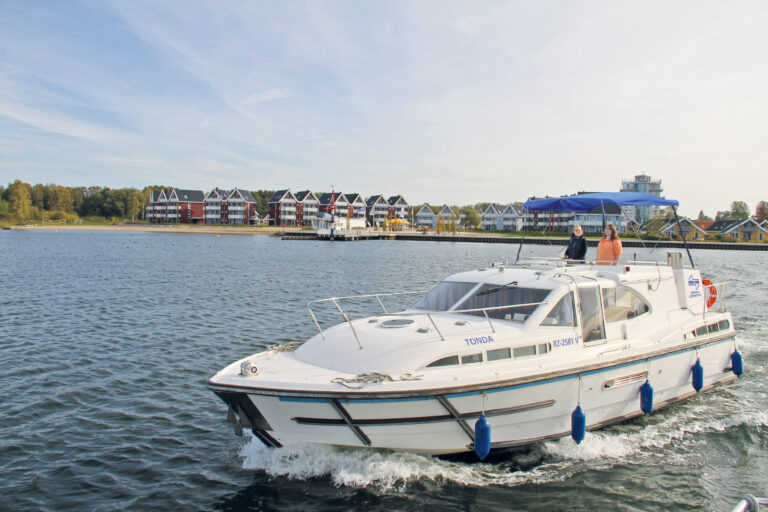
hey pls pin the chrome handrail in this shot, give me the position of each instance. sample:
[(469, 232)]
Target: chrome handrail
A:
[(494, 308), (335, 302)]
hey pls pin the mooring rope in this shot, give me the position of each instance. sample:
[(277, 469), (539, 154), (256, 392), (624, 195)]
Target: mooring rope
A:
[(286, 347), (364, 379)]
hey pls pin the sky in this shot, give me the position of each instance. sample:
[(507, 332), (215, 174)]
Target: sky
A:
[(440, 101)]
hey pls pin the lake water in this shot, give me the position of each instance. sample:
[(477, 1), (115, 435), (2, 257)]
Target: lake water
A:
[(107, 339)]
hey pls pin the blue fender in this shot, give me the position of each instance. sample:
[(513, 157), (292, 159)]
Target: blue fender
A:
[(646, 398), (697, 376), (578, 424), (482, 437), (737, 363)]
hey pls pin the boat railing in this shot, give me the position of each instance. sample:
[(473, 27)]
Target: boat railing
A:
[(337, 300), (493, 308), (560, 262)]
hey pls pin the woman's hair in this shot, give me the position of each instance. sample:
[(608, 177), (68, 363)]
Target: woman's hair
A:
[(614, 233)]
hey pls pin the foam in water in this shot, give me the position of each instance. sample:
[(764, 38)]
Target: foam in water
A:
[(558, 459), (383, 469)]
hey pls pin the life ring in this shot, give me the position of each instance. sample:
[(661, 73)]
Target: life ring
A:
[(712, 292)]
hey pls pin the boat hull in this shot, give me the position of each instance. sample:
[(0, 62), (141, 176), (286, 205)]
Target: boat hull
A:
[(520, 412)]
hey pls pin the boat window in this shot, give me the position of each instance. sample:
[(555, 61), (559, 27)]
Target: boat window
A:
[(713, 328), (543, 348), (622, 303), (472, 358), (491, 296), (591, 313), (723, 324), (446, 361), (443, 296), (499, 353), (563, 314), (530, 350), (701, 331)]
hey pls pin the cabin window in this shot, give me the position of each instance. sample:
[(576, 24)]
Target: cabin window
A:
[(472, 359), (443, 296), (530, 350), (713, 328), (499, 353), (491, 296), (543, 348), (563, 314), (621, 303), (446, 361), (724, 325), (591, 313), (701, 331)]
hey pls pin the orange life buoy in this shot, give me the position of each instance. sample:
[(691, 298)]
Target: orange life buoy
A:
[(712, 292)]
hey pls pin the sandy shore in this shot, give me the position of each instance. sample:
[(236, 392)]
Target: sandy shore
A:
[(198, 229), (230, 230)]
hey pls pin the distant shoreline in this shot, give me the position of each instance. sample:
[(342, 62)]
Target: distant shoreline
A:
[(301, 234), (191, 229)]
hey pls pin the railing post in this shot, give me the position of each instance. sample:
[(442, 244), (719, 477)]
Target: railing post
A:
[(489, 320), (382, 304), (435, 326), (346, 317), (316, 324)]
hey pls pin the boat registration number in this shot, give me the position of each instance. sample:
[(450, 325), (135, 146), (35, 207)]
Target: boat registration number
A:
[(566, 342)]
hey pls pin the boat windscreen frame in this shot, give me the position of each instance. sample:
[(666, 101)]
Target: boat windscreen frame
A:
[(455, 304)]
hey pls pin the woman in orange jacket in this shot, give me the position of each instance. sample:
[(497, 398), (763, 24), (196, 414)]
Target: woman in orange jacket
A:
[(609, 248)]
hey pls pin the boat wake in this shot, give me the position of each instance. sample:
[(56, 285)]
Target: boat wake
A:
[(635, 443)]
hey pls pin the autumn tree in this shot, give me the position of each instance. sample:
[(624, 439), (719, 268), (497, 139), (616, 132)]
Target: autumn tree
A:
[(471, 217), (62, 198), (739, 210), (21, 201), (761, 211), (38, 196)]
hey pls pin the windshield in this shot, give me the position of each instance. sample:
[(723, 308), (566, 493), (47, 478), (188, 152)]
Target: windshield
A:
[(443, 296), (491, 296)]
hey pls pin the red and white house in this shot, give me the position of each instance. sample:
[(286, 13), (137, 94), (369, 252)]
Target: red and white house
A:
[(307, 206), (241, 208), (398, 207), (355, 205), (155, 211), (282, 208), (216, 207), (176, 206), (185, 206)]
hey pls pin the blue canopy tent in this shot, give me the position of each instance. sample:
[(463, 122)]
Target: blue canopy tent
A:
[(588, 202)]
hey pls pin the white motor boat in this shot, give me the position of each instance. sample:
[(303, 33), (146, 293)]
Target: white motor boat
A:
[(497, 357)]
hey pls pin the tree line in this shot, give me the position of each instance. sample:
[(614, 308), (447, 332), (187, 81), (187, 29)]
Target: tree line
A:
[(22, 201)]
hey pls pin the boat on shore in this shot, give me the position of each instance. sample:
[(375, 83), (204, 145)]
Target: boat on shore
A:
[(502, 356)]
